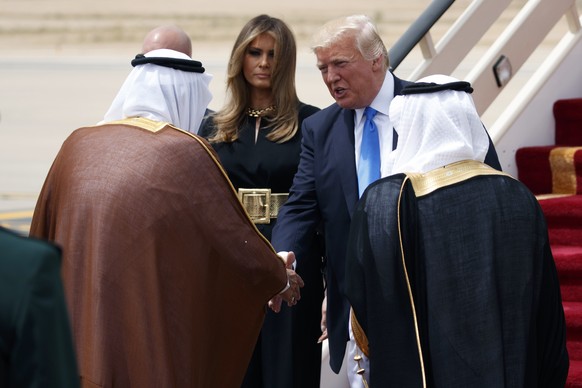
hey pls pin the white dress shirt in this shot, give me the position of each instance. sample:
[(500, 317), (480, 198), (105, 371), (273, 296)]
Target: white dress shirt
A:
[(382, 120)]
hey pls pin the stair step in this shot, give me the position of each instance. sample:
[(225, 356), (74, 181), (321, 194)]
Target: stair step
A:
[(568, 259), (566, 209), (564, 219), (533, 168), (574, 374), (574, 350), (570, 293), (573, 314), (568, 115), (565, 235)]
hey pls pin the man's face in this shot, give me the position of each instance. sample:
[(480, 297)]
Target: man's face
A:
[(351, 80)]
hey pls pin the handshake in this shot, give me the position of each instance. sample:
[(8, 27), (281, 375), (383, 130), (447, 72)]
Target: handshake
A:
[(291, 293)]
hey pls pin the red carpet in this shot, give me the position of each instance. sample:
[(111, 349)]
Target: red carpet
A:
[(554, 173), (564, 219)]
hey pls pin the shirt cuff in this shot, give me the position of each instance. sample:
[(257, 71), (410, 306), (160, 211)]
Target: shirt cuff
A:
[(288, 286)]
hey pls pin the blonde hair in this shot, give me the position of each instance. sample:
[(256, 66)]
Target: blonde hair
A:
[(285, 119), (361, 28)]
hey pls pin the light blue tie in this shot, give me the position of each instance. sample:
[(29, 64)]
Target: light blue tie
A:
[(369, 163)]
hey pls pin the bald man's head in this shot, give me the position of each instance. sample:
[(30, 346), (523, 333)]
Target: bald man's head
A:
[(167, 37)]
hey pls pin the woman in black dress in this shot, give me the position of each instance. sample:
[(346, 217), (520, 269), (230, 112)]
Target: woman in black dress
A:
[(257, 135)]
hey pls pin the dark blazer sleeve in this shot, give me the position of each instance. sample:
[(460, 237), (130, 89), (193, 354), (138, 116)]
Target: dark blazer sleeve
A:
[(298, 218)]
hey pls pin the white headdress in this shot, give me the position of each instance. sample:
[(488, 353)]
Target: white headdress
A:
[(436, 128), (162, 93)]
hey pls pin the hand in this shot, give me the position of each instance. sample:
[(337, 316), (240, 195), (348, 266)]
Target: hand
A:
[(288, 258), (292, 294), (323, 321)]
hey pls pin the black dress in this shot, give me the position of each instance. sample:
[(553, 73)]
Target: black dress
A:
[(287, 353)]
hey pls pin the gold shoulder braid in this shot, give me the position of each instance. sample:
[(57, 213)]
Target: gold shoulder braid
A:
[(143, 123), (426, 183), (261, 112)]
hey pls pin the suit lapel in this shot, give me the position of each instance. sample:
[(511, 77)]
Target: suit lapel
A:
[(343, 137)]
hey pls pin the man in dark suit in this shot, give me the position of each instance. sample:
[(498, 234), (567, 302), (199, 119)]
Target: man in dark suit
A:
[(354, 65), (36, 347)]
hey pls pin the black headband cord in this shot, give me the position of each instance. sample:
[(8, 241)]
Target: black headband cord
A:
[(174, 63), (431, 87)]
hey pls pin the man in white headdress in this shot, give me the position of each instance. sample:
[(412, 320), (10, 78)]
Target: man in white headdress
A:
[(154, 90), (140, 206), (451, 277)]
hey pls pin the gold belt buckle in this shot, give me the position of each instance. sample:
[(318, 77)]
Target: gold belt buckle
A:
[(257, 203)]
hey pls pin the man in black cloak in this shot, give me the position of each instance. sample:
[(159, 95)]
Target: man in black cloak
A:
[(451, 277)]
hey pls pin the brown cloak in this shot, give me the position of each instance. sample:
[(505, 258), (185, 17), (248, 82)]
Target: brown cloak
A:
[(166, 278)]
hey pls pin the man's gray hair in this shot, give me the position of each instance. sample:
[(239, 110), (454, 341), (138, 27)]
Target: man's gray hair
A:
[(361, 28)]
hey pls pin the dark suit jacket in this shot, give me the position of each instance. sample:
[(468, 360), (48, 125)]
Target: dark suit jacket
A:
[(36, 348), (325, 189)]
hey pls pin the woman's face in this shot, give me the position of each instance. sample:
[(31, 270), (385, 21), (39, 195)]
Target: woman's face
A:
[(259, 60)]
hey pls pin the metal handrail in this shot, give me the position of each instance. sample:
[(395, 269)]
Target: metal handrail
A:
[(417, 31)]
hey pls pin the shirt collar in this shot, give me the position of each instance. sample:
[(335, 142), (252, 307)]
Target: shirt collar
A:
[(382, 101)]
